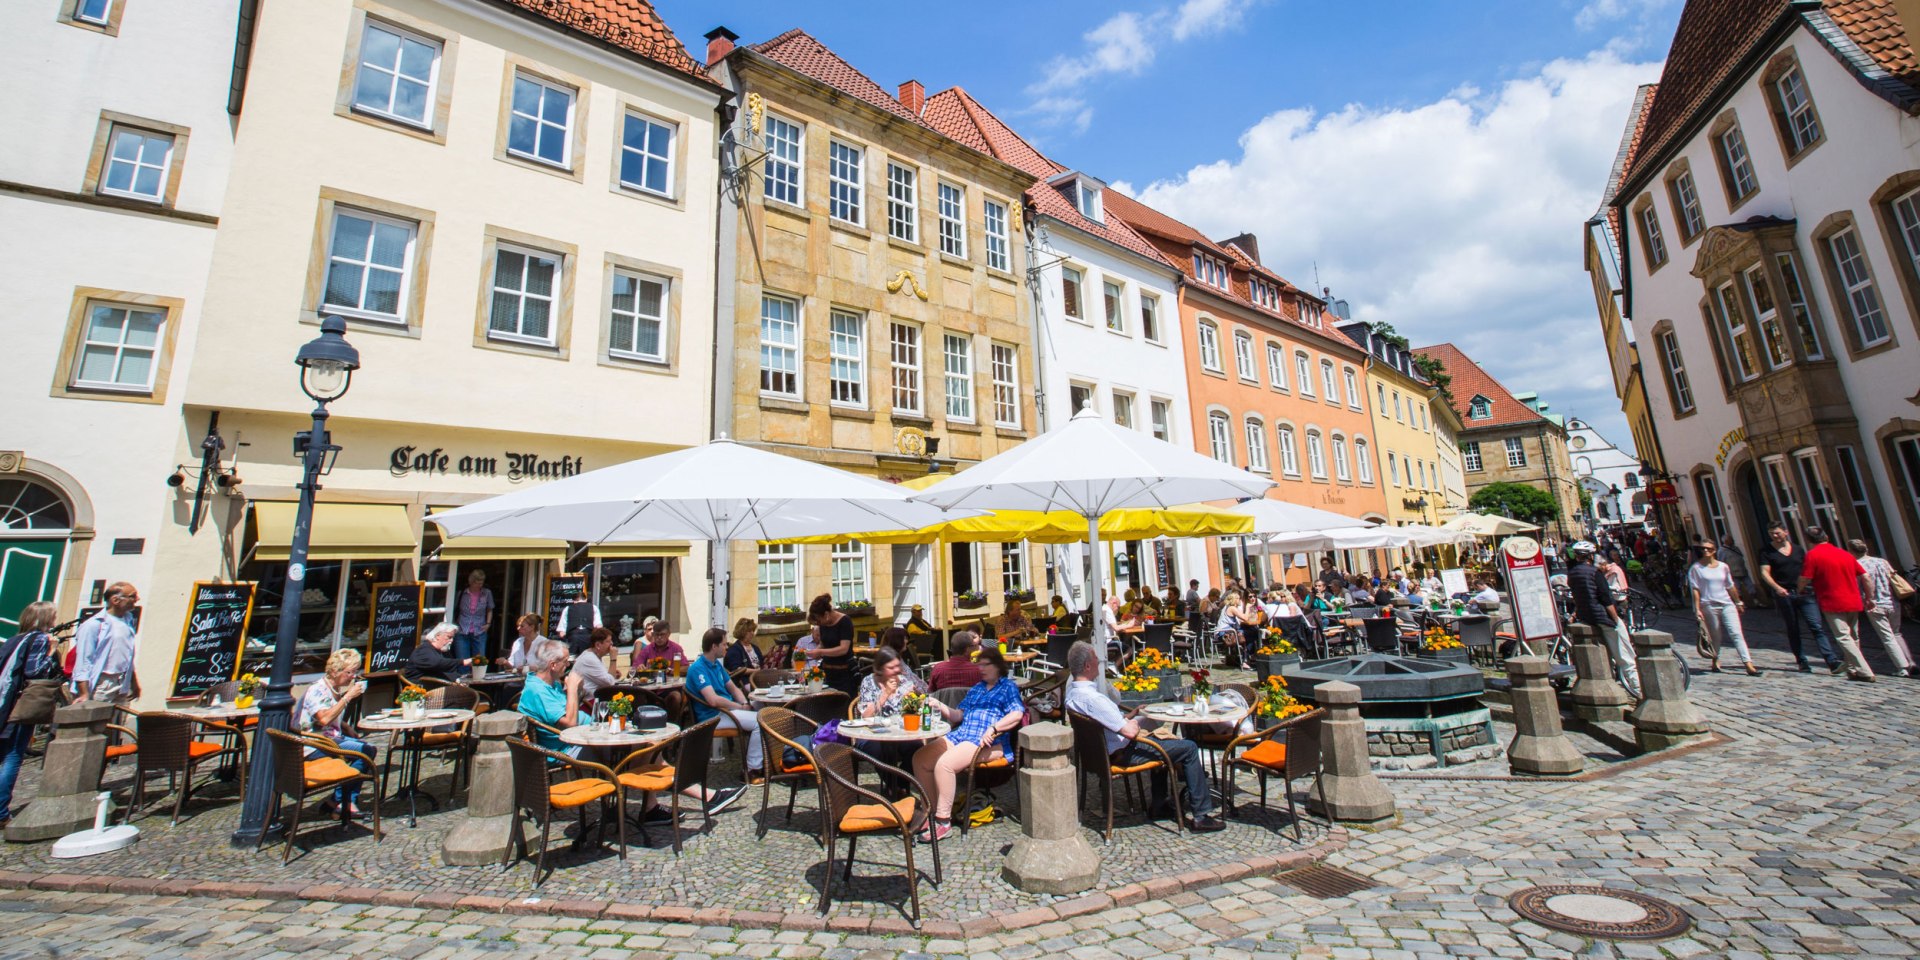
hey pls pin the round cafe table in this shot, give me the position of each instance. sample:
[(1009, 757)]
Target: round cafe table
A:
[(225, 713), (412, 729), (594, 735), (1181, 712), (893, 733), (766, 697)]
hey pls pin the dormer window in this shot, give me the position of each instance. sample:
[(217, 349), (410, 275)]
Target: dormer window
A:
[(1210, 271), (1309, 313), (1085, 192), (1265, 294), (1479, 408)]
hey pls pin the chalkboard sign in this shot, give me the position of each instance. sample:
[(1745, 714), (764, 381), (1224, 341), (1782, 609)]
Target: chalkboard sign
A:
[(395, 628), (562, 589), (217, 616)]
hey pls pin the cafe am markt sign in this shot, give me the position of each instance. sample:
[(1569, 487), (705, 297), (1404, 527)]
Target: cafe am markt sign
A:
[(515, 466)]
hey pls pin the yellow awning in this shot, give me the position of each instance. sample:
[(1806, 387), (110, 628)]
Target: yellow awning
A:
[(502, 548), (636, 550), (340, 531)]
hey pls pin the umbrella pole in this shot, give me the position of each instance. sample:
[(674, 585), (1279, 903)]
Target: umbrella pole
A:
[(720, 566), (1097, 608)]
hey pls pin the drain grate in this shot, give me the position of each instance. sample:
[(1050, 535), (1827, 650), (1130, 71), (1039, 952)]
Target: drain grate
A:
[(1325, 883)]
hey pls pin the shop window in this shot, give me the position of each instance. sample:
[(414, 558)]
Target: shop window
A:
[(336, 609), (632, 588)]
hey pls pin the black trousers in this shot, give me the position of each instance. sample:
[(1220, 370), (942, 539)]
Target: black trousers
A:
[(1185, 755)]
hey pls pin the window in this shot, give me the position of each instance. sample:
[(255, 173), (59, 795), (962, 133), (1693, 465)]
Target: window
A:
[(526, 282), (1676, 367), (1734, 323), (903, 340), (1393, 468), (1210, 271), (1686, 200), (1219, 435), (1853, 481), (1423, 418), (1080, 396), (1712, 507), (1264, 294), (1766, 316), (1737, 165), (1243, 357), (1820, 496), (1353, 388), (1256, 435), (1364, 457), (1123, 409), (1860, 300), (995, 215), (1342, 469), (778, 576), (846, 359), (1799, 123), (1013, 567), (368, 265), (540, 121), (1086, 199), (1406, 466), (1276, 365), (780, 346), (396, 74), (646, 154), (119, 347), (93, 11), (1469, 455), (1656, 245), (1289, 453), (1310, 313), (1303, 373), (1115, 299), (844, 181), (1906, 450), (1162, 420), (1516, 452), (637, 321), (1397, 412), (1071, 280), (137, 164), (1479, 408), (849, 572), (903, 211), (1209, 346), (1316, 455), (958, 366), (781, 168), (1333, 386), (1150, 318), (1906, 218), (1006, 386), (953, 220), (1630, 481)]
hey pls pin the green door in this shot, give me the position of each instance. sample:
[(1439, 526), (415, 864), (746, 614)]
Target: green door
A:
[(29, 571)]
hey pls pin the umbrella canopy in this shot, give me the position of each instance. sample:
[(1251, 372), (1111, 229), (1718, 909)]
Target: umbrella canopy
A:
[(1279, 516), (1344, 538), (1488, 525), (1421, 535)]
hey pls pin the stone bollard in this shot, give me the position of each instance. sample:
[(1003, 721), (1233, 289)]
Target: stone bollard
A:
[(1596, 695), (1348, 789), (484, 836), (1540, 747), (69, 774), (1052, 854), (1666, 717)]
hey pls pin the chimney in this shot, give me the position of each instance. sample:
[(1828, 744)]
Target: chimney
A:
[(913, 96), (1248, 244), (719, 44)]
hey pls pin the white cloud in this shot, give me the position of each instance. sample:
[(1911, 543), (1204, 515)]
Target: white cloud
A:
[(1457, 220), (1638, 17), (1123, 44), (1201, 17)]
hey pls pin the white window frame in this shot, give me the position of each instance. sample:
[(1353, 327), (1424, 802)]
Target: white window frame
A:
[(1676, 372), (552, 299), (1330, 381), (1693, 221), (1479, 408), (1854, 483), (1470, 456), (121, 350), (1150, 317), (903, 202), (1796, 106), (1316, 455), (993, 215), (137, 163), (1289, 450), (101, 19), (1276, 365), (1113, 300), (1342, 467), (952, 210), (1255, 434), (846, 358), (1089, 398), (1516, 452), (1160, 419), (1398, 413), (849, 573), (1243, 357), (1766, 316), (1220, 436), (646, 153), (1004, 369), (1209, 345), (1656, 243), (1860, 297), (1820, 503), (1013, 567), (540, 120), (1353, 386), (846, 182), (776, 347), (635, 318), (777, 575), (1123, 409), (365, 266), (782, 169), (1303, 372), (956, 352), (1739, 161), (1733, 323), (1074, 306), (904, 365), (391, 73), (1363, 458), (1712, 507)]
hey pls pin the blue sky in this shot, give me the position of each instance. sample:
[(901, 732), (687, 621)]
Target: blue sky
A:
[(1433, 162)]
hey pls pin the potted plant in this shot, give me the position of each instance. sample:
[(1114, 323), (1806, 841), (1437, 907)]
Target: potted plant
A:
[(246, 688), (1134, 689), (815, 677), (1020, 596), (413, 702), (1275, 653), (970, 600), (479, 666), (1275, 703), (1202, 690), (857, 608), (910, 707), (1153, 663), (619, 708), (1437, 644)]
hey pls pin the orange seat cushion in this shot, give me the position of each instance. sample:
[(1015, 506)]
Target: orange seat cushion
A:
[(657, 777), (862, 817), (443, 739), (1267, 754), (999, 760), (201, 748), (573, 793), (725, 733), (327, 771), (1121, 771), (122, 750)]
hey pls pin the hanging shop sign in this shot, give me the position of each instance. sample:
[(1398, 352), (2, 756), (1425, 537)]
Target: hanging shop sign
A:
[(1663, 491), (409, 459)]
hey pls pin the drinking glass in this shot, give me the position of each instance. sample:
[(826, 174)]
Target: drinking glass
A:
[(600, 714)]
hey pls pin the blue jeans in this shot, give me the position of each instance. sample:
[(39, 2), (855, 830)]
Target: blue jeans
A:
[(466, 646), (1193, 770), (13, 749), (351, 794), (1798, 610)]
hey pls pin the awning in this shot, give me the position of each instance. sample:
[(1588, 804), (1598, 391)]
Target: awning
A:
[(502, 548), (340, 531), (627, 551)]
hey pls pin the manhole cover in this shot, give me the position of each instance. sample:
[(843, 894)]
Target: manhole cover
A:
[(1601, 912), (1324, 882)]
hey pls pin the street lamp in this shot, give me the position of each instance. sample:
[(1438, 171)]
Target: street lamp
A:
[(1613, 493), (326, 365)]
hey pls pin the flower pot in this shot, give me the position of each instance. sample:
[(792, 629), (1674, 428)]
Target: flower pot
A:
[(479, 671), (412, 711), (1458, 655), (909, 722), (243, 701), (1271, 664), (1128, 699)]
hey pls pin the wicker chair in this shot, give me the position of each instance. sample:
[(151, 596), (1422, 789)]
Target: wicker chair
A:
[(1090, 752), (1294, 755), (989, 770), (167, 744), (124, 739), (643, 771), (1218, 741), (457, 742), (1055, 685), (764, 678), (785, 730), (843, 814), (298, 779), (821, 707), (536, 794)]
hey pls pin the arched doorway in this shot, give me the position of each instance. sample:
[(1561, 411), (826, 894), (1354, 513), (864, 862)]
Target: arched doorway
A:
[(36, 527), (1753, 504)]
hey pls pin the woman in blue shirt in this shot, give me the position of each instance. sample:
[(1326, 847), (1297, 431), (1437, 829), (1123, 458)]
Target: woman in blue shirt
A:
[(991, 711)]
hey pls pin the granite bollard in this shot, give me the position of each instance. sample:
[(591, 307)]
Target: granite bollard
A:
[(1666, 717), (1540, 746), (483, 836), (1052, 854), (69, 775), (1347, 788), (1596, 695)]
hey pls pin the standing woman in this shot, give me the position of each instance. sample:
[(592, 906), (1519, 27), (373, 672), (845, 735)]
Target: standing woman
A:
[(1716, 601), (833, 632), (474, 617), (26, 662)]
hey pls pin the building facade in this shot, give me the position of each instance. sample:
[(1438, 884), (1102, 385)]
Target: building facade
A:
[(1503, 439), (1616, 491), (1403, 429), (1446, 449), (1768, 217)]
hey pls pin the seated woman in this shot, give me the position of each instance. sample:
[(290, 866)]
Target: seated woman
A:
[(882, 690), (895, 639), (743, 653), (991, 711), (321, 710), (1057, 608), (520, 658), (1227, 631)]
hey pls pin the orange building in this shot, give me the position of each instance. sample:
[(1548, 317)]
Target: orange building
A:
[(1272, 386)]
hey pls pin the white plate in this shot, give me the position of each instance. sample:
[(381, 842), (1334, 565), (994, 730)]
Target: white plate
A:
[(856, 724), (1176, 711), (442, 715)]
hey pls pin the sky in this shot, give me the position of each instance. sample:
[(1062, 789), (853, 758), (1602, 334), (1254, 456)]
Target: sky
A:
[(1432, 163)]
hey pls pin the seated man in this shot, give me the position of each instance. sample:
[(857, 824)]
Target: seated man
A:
[(958, 669), (1486, 598), (714, 694), (552, 696), (1084, 697), (430, 658), (591, 665), (659, 645)]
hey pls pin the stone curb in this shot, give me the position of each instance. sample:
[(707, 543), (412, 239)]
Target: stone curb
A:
[(1124, 895)]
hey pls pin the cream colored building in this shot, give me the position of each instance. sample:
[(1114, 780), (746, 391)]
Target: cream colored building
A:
[(516, 218)]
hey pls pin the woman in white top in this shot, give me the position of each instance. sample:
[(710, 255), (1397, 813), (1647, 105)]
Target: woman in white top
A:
[(520, 658), (1716, 601)]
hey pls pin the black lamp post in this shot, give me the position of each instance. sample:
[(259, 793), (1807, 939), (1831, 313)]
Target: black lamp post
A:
[(326, 364), (1613, 493)]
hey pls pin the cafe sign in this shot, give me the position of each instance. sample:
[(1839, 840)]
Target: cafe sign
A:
[(1727, 443), (409, 459)]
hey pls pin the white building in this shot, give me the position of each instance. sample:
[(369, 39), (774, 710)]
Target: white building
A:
[(1610, 475), (1767, 212), (111, 191)]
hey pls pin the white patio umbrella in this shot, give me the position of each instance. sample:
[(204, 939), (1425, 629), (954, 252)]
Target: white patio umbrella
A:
[(1344, 538), (1421, 535), (1089, 466), (1488, 525), (1272, 516), (718, 492)]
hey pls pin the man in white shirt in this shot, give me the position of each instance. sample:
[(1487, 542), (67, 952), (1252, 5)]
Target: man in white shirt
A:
[(106, 648), (1123, 742), (591, 664)]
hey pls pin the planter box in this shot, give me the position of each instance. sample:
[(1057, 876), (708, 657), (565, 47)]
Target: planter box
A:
[(1272, 664), (781, 618), (1453, 656), (1129, 700)]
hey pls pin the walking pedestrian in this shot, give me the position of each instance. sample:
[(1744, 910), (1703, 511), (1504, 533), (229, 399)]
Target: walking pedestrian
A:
[(1780, 568), (29, 692), (106, 648), (1717, 604), (1838, 582), (1593, 605), (1883, 611)]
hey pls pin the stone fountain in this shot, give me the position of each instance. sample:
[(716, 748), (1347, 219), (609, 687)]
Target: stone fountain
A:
[(1418, 712)]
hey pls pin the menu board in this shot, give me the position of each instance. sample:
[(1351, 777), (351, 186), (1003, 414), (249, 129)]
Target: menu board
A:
[(562, 589), (1453, 580), (217, 616), (395, 628), (1534, 612)]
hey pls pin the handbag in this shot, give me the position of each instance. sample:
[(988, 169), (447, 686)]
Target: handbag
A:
[(38, 701), (1901, 588)]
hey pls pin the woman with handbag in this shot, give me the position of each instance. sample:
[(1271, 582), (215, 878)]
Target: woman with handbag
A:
[(32, 685)]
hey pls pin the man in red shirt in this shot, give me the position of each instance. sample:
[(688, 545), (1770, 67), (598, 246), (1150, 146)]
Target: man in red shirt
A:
[(1839, 585), (959, 670)]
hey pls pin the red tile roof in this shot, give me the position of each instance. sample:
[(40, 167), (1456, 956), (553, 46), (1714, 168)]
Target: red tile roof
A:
[(1629, 148), (1875, 25), (1470, 381), (1150, 221), (800, 52), (631, 25)]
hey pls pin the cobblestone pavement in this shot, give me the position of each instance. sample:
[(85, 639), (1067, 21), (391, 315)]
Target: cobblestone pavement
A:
[(1799, 836)]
